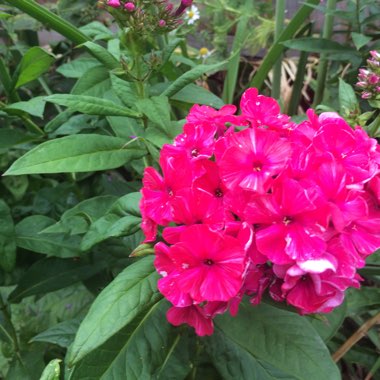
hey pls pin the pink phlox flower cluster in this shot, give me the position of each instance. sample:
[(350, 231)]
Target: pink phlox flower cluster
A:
[(253, 202)]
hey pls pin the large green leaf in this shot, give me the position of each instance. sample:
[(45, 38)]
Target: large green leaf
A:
[(317, 45), (142, 350), (265, 342), (126, 91), (29, 236), (51, 274), (190, 76), (7, 238), (328, 324), (132, 292), (77, 153), (35, 62), (91, 105)]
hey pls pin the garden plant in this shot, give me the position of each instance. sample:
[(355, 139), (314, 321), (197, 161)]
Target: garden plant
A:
[(189, 190)]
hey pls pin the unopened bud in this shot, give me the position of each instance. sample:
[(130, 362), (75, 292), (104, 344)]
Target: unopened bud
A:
[(161, 23), (130, 7), (114, 3), (366, 95)]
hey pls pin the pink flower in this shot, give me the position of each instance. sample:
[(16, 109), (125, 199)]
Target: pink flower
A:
[(291, 226), (252, 157), (210, 264), (193, 316), (261, 110)]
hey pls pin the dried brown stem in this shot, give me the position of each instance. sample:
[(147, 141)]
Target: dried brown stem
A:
[(360, 333)]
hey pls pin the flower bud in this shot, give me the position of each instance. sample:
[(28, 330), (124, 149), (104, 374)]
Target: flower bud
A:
[(130, 7), (161, 23), (114, 3), (366, 95)]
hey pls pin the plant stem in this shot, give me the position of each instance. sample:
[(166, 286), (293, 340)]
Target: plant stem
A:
[(6, 80), (354, 338), (47, 90), (279, 26), (323, 63)]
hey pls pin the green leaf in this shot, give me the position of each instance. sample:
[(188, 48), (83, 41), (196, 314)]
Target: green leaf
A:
[(360, 39), (96, 30), (51, 274), (191, 94), (157, 110), (78, 219), (102, 55), (123, 219), (77, 153), (145, 349), (52, 370), (11, 137), (7, 238), (110, 225), (132, 292), (29, 236), (190, 76), (317, 45), (328, 324), (169, 49), (94, 82), (78, 67), (126, 91), (363, 299), (264, 342), (347, 97), (159, 137), (91, 105), (62, 334), (34, 107), (34, 63)]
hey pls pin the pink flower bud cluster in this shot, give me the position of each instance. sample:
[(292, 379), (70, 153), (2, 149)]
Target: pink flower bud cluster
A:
[(255, 202), (155, 16), (369, 78)]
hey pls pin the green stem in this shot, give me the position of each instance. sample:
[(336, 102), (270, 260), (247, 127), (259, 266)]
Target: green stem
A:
[(279, 26), (51, 20), (323, 63), (374, 369), (358, 15), (277, 48)]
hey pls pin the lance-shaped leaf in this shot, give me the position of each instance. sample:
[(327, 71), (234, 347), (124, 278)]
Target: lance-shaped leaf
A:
[(267, 343), (34, 63), (91, 105), (77, 153), (190, 76), (132, 292), (144, 349)]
